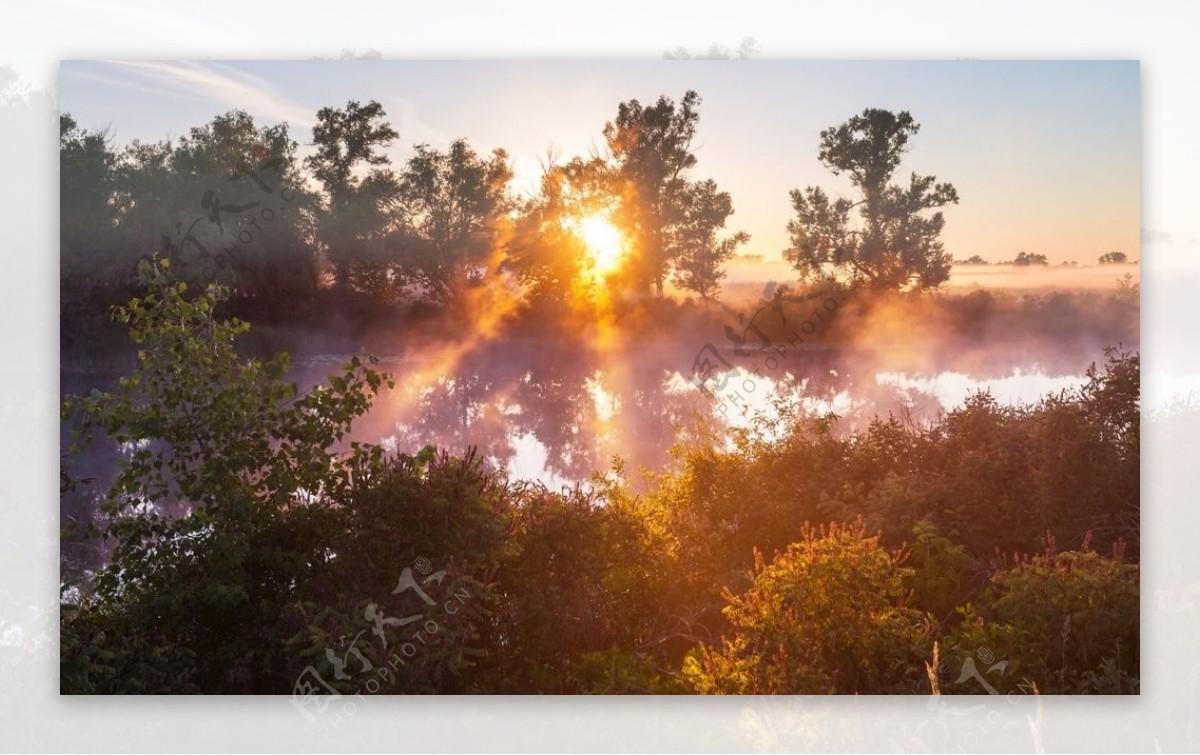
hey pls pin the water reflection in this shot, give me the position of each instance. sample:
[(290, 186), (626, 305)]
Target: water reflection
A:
[(564, 421), (559, 411)]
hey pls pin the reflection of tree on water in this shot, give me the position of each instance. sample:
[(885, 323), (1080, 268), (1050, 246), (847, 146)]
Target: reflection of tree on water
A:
[(557, 409)]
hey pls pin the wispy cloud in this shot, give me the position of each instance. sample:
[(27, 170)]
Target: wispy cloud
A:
[(223, 85), (402, 112)]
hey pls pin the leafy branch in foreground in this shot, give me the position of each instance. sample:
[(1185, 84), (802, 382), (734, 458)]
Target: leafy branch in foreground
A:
[(227, 472)]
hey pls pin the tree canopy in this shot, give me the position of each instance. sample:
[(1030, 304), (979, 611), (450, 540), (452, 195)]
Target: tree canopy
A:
[(894, 242), (673, 220), (452, 207), (1026, 259)]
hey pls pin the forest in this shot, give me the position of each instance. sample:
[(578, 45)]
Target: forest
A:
[(234, 524)]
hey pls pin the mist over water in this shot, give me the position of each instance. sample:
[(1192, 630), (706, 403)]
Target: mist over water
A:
[(556, 400)]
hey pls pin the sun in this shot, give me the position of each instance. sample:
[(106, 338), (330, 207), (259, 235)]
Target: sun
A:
[(605, 244)]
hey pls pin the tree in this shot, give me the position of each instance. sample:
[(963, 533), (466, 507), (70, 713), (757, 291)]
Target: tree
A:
[(546, 251), (1114, 258), (894, 244), (1068, 622), (453, 517), (357, 216), (580, 596), (224, 203), (452, 206), (219, 510), (701, 253), (87, 208), (256, 212), (1025, 259), (651, 151), (974, 259), (826, 616)]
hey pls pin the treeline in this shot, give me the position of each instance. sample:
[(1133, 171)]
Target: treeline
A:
[(244, 554), (345, 232), (1025, 259)]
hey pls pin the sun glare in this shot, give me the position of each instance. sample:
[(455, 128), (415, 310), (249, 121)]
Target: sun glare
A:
[(604, 243)]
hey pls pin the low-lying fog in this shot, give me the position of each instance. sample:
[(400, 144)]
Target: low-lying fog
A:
[(556, 402)]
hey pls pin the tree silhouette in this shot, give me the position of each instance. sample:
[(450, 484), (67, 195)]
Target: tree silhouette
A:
[(87, 182), (651, 153), (545, 251), (452, 204), (357, 212), (894, 244), (1114, 258), (256, 211), (1025, 259), (701, 253), (974, 259), (226, 202)]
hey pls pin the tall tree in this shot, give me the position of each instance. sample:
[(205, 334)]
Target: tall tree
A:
[(894, 243), (652, 151), (87, 204), (256, 213), (452, 206), (701, 253), (357, 215), (225, 202)]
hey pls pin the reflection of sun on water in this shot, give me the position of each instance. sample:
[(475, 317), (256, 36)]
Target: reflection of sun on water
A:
[(604, 243)]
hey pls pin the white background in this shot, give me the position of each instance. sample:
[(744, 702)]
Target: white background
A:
[(33, 38)]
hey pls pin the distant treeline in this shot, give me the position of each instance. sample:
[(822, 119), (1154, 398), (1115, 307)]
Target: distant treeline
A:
[(1025, 259)]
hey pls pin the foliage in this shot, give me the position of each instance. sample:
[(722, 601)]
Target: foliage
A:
[(939, 569), (352, 166), (546, 251), (218, 509), (87, 182), (451, 512), (1025, 259), (579, 603), (245, 542), (1114, 258), (345, 138), (826, 616), (224, 203), (702, 255), (668, 216), (982, 478), (1066, 621), (452, 206), (246, 550), (895, 245)]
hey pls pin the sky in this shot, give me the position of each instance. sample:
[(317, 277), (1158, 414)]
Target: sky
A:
[(1045, 154)]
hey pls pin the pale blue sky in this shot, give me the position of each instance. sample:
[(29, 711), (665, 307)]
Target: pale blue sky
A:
[(1045, 155)]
